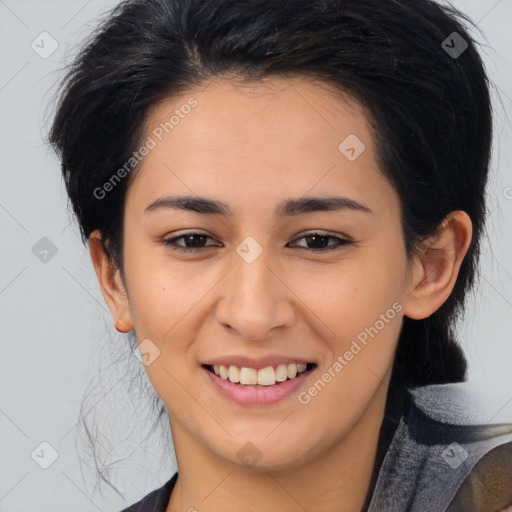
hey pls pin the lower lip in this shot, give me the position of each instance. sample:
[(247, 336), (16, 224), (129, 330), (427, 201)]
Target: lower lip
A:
[(252, 395)]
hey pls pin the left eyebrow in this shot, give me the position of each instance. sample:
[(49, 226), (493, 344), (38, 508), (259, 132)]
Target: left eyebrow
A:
[(287, 208), (292, 207)]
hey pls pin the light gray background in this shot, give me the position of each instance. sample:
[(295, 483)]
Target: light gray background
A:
[(56, 331)]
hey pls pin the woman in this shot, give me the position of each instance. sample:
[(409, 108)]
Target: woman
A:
[(283, 203)]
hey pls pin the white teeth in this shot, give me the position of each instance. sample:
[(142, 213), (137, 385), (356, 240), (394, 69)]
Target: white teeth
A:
[(234, 374), (248, 376), (301, 368), (292, 371), (281, 373), (264, 377)]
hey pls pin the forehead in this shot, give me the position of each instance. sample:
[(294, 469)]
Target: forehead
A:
[(279, 136), (286, 113)]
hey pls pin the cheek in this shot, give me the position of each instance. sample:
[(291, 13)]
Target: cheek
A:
[(162, 302), (361, 321), (354, 296), (359, 306), (341, 299), (161, 290)]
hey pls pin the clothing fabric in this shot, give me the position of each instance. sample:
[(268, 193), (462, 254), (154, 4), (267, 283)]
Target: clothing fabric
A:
[(434, 455), (155, 501)]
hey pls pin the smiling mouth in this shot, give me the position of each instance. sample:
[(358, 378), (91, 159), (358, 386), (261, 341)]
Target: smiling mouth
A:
[(269, 376)]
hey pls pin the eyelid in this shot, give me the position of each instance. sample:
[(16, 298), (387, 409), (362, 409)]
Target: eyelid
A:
[(181, 248), (343, 240), (321, 232)]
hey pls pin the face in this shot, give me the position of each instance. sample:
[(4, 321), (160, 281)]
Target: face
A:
[(267, 278)]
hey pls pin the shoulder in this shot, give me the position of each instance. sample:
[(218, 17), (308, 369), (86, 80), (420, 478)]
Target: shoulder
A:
[(440, 441), (489, 484), (155, 501)]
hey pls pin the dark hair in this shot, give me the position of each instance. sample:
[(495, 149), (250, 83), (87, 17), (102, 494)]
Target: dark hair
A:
[(429, 109)]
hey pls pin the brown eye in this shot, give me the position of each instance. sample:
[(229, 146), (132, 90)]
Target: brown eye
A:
[(315, 242), (320, 242), (194, 242)]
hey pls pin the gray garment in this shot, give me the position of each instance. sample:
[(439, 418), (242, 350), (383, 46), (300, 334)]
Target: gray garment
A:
[(439, 439)]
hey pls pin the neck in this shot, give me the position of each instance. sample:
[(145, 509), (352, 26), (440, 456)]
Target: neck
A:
[(336, 480)]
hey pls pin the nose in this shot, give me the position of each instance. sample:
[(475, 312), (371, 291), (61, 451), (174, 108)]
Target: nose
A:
[(255, 301)]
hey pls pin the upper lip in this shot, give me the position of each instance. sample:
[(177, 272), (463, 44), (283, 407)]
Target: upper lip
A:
[(257, 364)]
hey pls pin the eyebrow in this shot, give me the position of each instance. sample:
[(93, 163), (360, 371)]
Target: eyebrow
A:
[(289, 207)]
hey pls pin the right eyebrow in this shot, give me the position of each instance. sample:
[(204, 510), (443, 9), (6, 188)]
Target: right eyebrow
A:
[(289, 207)]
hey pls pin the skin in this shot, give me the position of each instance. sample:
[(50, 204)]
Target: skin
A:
[(253, 147)]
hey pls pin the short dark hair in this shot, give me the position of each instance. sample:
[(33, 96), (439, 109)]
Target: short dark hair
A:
[(429, 110)]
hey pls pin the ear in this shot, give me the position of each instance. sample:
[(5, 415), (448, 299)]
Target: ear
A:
[(111, 283), (436, 268)]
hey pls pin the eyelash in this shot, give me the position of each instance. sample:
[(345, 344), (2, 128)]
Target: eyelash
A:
[(171, 242)]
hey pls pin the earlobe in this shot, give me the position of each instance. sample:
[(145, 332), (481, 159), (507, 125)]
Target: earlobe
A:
[(437, 267), (121, 328), (111, 284)]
